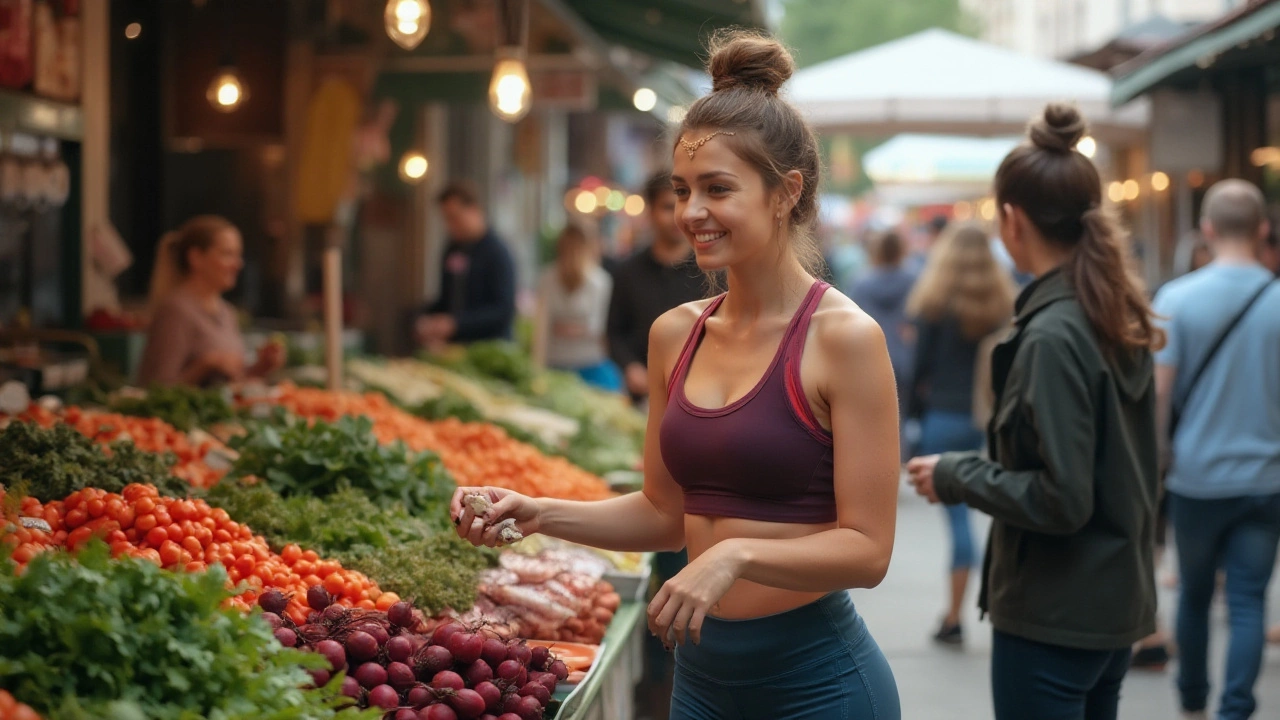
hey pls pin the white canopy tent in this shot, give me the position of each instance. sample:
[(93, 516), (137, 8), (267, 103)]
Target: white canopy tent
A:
[(913, 169), (939, 82)]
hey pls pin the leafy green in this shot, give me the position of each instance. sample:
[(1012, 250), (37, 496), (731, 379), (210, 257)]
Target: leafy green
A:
[(181, 406), (414, 557), (92, 637), (58, 461), (319, 458)]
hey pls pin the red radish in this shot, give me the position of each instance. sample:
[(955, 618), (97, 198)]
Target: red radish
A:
[(399, 649), (333, 614), (371, 675), (478, 672), (362, 646), (400, 676), (378, 632), (546, 679), (333, 651), (511, 703), (437, 712), (274, 620), (406, 714), (447, 680), (536, 689), (401, 614), (385, 697), (494, 652), (466, 647), (444, 632), (529, 708), (467, 703), (433, 659), (520, 653), (540, 656), (559, 669), (509, 670), (317, 598), (287, 637), (351, 687), (313, 632), (313, 617), (419, 696), (492, 696), (320, 678), (273, 601)]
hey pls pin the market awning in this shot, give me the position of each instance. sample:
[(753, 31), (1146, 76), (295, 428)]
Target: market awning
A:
[(673, 30), (939, 82), (914, 169), (1197, 50)]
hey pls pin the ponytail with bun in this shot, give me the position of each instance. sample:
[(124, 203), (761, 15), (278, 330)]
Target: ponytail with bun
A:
[(1060, 191), (747, 69)]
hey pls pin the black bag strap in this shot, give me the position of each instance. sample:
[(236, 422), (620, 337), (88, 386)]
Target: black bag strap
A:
[(1180, 403)]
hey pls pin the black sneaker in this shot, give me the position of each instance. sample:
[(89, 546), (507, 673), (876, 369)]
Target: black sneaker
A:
[(949, 634), (1153, 658)]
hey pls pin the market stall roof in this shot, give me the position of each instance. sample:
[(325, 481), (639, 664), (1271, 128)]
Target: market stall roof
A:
[(914, 169), (1189, 55), (670, 29), (939, 82)]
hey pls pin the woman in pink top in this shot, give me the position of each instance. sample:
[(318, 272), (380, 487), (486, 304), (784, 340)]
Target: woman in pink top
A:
[(194, 337), (772, 445)]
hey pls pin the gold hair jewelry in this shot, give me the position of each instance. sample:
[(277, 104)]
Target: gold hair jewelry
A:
[(692, 147)]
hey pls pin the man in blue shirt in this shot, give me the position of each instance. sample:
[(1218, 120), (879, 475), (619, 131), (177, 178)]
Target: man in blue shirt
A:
[(477, 298), (1224, 473)]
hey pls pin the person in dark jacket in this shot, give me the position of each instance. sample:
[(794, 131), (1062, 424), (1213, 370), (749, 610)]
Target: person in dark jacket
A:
[(962, 296), (1072, 488), (477, 298)]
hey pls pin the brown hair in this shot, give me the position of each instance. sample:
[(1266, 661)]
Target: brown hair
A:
[(962, 279), (657, 185), (747, 68), (886, 249), (573, 256), (1061, 194), (198, 233), (464, 191)]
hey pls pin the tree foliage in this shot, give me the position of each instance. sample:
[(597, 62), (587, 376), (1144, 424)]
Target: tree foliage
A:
[(819, 30)]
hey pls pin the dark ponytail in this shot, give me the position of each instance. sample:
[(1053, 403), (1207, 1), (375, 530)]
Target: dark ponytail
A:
[(1061, 194)]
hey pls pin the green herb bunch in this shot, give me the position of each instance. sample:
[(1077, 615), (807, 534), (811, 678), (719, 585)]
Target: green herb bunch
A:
[(181, 406)]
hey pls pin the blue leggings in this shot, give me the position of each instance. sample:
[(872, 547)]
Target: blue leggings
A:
[(946, 432), (816, 662)]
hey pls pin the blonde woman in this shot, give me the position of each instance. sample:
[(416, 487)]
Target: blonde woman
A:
[(963, 295), (573, 308)]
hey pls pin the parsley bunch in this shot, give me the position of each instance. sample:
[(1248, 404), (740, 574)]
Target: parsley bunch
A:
[(181, 406)]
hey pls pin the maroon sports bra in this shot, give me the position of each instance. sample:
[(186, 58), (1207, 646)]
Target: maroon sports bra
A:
[(763, 457)]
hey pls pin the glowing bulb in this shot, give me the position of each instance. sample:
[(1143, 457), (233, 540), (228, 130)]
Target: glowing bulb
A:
[(1131, 190), (616, 201), (413, 166), (407, 22), (602, 194), (133, 30), (1115, 191), (1087, 146), (962, 211), (585, 202), (987, 208), (634, 205), (1159, 181), (226, 92), (509, 91), (645, 99)]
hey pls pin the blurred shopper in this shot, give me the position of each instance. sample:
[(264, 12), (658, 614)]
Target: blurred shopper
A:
[(931, 231), (194, 337), (1219, 381), (1269, 251), (477, 298), (654, 280), (882, 293), (573, 306), (1072, 488), (962, 296)]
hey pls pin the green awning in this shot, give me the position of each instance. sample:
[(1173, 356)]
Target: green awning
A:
[(673, 30), (1160, 65)]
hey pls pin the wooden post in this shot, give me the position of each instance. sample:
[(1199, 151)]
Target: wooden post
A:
[(333, 304)]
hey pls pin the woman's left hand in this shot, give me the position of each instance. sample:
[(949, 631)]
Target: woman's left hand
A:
[(677, 611)]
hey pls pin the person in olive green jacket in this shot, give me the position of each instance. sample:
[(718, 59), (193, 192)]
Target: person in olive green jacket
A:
[(1072, 489)]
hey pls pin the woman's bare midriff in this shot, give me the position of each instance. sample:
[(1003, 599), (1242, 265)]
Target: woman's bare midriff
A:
[(745, 599)]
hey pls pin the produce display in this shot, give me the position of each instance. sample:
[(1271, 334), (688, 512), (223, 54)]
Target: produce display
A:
[(173, 650), (11, 709), (182, 406), (410, 670)]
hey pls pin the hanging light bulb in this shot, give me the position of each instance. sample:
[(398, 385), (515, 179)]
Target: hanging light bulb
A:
[(407, 22), (413, 167), (509, 91), (227, 92)]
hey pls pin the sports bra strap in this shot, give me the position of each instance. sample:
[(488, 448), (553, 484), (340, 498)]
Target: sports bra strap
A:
[(695, 335), (791, 366)]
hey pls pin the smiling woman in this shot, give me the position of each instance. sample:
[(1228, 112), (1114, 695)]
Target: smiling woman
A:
[(773, 463)]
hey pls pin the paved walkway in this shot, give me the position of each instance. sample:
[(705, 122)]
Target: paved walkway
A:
[(939, 683)]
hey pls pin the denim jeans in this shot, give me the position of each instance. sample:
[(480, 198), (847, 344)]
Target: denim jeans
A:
[(1036, 681), (1240, 536), (946, 432), (816, 662)]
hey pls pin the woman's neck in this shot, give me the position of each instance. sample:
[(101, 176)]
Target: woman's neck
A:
[(1047, 260), (203, 292), (768, 286)]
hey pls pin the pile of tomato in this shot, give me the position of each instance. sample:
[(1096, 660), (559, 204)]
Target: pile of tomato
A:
[(11, 709)]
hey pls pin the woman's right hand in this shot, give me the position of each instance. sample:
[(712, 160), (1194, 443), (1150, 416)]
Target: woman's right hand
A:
[(228, 364), (506, 504)]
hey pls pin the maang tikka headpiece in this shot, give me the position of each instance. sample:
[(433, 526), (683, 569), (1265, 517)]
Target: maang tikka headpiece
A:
[(692, 147)]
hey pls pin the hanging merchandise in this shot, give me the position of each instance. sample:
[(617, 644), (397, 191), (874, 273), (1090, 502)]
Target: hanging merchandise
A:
[(510, 94), (15, 43), (407, 22), (57, 44)]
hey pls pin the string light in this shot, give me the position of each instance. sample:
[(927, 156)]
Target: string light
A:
[(509, 91), (1159, 181), (227, 92), (634, 206), (1087, 146), (413, 167), (407, 22), (645, 99)]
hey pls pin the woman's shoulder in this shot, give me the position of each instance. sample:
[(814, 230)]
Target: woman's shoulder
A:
[(673, 326), (838, 324)]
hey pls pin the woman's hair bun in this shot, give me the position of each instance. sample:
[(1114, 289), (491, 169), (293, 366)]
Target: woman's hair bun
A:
[(1059, 129), (750, 60)]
